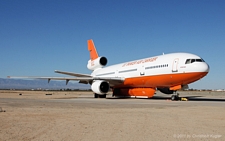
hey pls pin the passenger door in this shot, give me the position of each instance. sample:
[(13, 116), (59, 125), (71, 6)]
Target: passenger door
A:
[(175, 65)]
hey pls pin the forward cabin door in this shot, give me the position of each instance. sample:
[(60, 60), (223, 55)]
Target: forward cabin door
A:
[(175, 65)]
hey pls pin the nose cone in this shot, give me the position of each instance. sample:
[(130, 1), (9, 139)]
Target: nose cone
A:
[(202, 67), (206, 67)]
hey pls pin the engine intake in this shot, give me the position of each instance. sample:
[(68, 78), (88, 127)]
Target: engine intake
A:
[(100, 87), (97, 63)]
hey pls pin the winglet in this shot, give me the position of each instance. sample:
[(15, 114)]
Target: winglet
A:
[(92, 50)]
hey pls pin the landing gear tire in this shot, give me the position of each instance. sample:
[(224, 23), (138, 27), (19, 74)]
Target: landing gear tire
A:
[(96, 95), (100, 96), (175, 97)]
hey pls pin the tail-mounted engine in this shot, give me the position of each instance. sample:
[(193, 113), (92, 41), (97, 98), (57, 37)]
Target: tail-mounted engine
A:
[(97, 63), (100, 87)]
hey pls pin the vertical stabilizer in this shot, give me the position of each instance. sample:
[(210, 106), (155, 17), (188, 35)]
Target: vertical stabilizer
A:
[(92, 50), (95, 61)]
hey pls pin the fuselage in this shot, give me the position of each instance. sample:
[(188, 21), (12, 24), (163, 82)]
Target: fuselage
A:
[(166, 70)]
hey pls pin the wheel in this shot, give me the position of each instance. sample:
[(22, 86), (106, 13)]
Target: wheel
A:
[(174, 97), (102, 96), (96, 95)]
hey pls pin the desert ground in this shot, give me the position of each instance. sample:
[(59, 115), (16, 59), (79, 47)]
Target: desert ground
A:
[(77, 116)]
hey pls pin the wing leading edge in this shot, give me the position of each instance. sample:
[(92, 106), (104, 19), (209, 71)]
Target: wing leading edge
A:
[(85, 80), (72, 74)]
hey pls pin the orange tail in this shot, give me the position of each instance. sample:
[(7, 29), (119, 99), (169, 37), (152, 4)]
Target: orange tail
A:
[(92, 50)]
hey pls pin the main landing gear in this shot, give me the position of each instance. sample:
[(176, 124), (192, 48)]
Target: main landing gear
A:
[(175, 96), (100, 95)]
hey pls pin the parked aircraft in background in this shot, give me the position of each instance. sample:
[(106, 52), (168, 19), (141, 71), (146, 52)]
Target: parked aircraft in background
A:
[(139, 78)]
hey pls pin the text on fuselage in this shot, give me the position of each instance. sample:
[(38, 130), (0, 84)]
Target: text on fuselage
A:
[(140, 61)]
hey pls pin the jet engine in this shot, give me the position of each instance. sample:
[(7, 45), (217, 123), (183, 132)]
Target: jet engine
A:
[(100, 87), (97, 63)]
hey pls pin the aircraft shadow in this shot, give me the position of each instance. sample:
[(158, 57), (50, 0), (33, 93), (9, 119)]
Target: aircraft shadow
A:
[(190, 98)]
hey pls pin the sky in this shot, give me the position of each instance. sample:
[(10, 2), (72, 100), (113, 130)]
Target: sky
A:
[(40, 36)]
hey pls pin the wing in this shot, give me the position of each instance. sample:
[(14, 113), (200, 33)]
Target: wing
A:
[(72, 74), (86, 80), (112, 80)]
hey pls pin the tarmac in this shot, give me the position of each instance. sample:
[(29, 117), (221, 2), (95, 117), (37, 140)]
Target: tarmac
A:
[(67, 115)]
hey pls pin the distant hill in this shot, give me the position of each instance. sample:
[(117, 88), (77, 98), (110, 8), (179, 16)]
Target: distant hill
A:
[(39, 84)]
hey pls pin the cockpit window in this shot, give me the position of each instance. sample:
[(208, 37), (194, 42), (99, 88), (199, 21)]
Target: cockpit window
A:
[(189, 61), (192, 60), (198, 60)]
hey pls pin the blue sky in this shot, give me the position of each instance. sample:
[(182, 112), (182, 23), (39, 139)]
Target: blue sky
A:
[(40, 36)]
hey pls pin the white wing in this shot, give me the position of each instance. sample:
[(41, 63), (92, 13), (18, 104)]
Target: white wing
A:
[(73, 74), (86, 80)]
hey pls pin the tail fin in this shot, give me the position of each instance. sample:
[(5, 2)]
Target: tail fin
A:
[(95, 62), (92, 50)]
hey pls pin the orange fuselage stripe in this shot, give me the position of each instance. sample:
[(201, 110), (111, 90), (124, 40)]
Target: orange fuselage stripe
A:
[(164, 80)]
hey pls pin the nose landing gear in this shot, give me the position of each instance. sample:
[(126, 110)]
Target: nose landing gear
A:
[(175, 96)]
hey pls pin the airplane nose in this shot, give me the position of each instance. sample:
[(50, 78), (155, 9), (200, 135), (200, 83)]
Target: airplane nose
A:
[(208, 68), (202, 67)]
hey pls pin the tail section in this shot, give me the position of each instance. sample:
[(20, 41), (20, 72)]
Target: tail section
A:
[(92, 50), (95, 61)]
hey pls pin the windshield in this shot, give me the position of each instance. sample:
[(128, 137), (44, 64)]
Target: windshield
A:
[(189, 61)]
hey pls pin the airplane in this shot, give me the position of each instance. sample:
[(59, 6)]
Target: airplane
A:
[(139, 78)]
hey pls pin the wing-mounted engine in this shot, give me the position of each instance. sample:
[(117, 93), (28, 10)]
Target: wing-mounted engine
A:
[(100, 87), (97, 63)]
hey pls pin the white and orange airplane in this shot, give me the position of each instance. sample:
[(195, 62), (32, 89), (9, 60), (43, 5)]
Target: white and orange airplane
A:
[(139, 78)]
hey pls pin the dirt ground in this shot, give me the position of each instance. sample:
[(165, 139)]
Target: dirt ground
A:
[(62, 116)]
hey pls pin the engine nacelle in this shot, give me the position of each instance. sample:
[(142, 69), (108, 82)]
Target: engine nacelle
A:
[(97, 63), (100, 87)]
